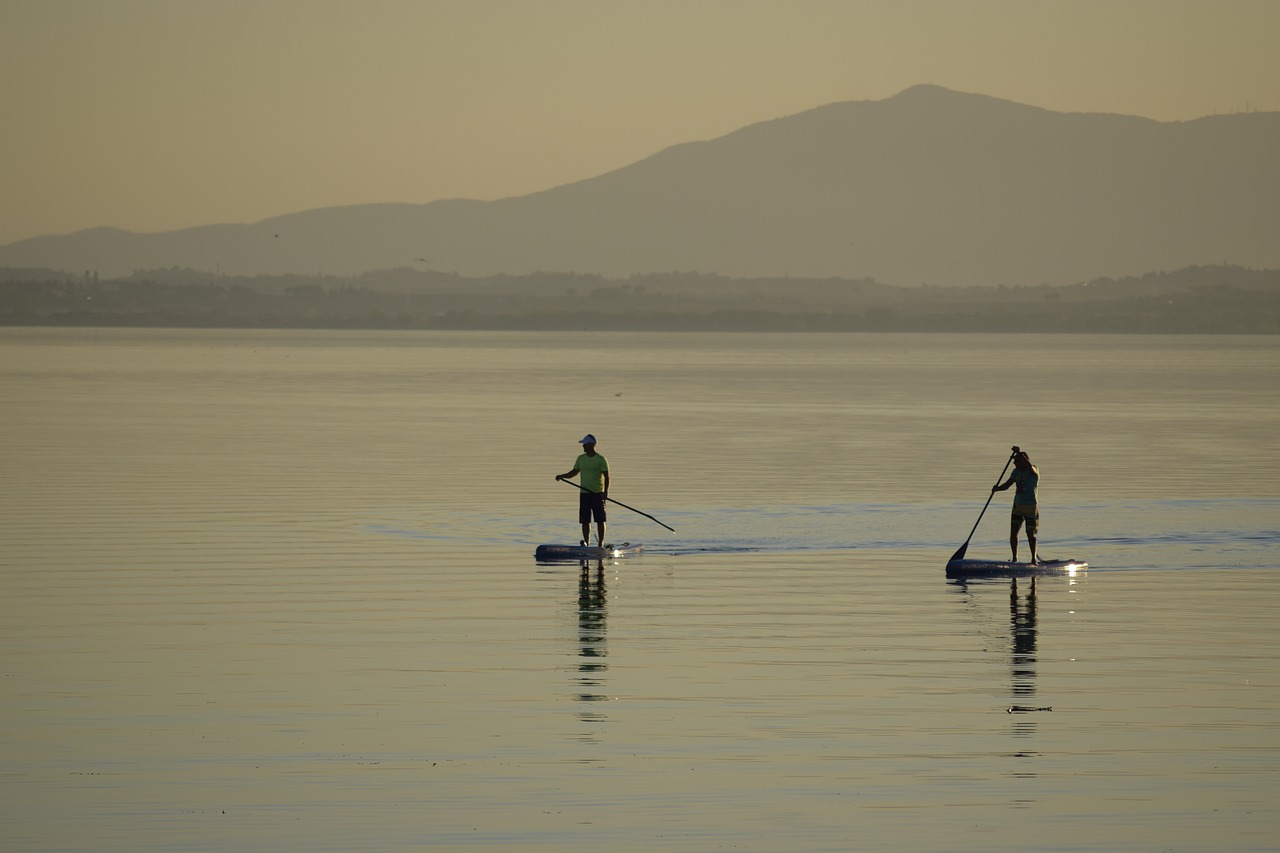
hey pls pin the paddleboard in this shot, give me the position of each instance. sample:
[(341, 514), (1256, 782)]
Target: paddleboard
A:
[(552, 553), (999, 568)]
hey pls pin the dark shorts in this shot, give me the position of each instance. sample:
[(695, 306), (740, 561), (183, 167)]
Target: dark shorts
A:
[(1031, 518), (589, 504)]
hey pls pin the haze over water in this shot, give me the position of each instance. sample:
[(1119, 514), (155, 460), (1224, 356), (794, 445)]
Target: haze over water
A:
[(275, 590)]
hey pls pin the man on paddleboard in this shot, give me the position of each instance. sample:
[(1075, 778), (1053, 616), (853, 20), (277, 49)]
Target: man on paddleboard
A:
[(594, 469), (1026, 507)]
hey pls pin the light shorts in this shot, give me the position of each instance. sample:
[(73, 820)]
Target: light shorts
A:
[(1031, 515)]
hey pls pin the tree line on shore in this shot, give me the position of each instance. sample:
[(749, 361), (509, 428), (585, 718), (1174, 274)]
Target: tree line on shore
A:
[(1198, 300)]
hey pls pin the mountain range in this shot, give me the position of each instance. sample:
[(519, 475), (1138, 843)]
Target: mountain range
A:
[(929, 186)]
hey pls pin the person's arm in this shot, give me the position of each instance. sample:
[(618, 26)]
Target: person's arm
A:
[(1006, 484), (606, 483), (574, 473)]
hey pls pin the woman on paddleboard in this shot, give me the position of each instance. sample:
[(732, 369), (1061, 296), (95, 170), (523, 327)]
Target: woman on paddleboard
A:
[(594, 469), (1026, 507)]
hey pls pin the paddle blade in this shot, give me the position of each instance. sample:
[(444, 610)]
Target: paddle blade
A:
[(959, 555)]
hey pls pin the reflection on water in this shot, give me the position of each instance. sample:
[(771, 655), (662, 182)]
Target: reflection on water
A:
[(1022, 660), (1022, 623), (592, 649)]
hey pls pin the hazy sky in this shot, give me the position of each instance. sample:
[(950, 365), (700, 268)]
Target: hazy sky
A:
[(160, 114)]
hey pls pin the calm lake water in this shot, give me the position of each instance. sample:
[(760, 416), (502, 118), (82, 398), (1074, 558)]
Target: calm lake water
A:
[(275, 591)]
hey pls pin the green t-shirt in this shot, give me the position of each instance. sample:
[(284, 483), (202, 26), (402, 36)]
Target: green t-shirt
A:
[(592, 469), (1027, 483)]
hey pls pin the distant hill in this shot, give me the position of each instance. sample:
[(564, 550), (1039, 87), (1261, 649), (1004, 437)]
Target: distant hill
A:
[(930, 186)]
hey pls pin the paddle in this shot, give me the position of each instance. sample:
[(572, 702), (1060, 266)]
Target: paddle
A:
[(959, 555), (619, 503)]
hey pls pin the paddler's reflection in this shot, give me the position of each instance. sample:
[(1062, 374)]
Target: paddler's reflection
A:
[(592, 600), (1023, 636), (1022, 623), (1022, 660)]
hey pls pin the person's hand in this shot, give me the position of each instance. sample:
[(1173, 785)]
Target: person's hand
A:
[(559, 476)]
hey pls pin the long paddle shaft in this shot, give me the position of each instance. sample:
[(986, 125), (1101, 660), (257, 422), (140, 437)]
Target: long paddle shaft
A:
[(959, 555), (619, 503)]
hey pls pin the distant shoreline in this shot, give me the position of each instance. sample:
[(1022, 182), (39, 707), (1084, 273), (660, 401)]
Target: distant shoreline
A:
[(585, 328), (1196, 300)]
